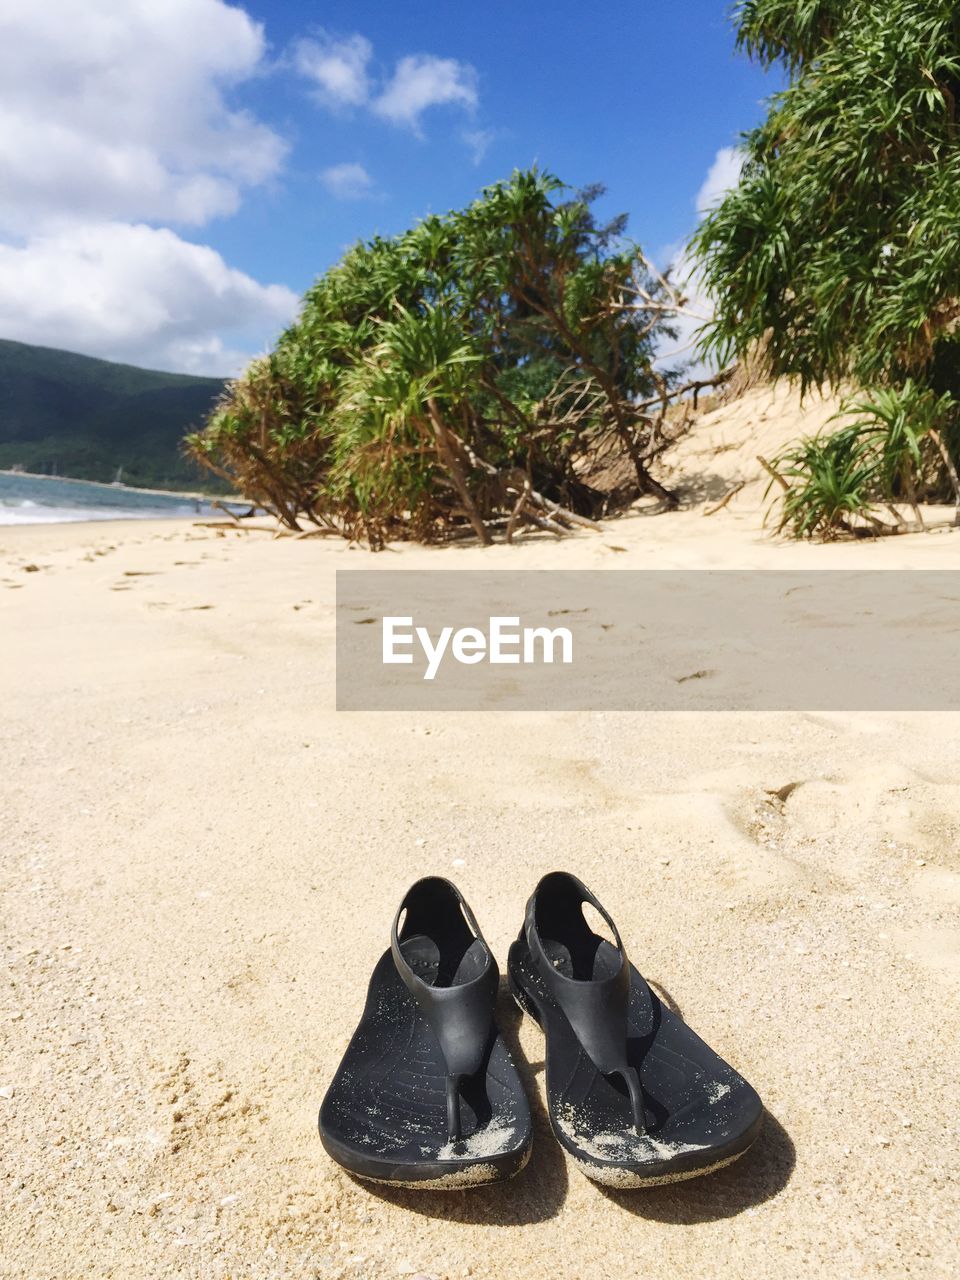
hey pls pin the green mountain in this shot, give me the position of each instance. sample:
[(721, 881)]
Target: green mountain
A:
[(77, 416)]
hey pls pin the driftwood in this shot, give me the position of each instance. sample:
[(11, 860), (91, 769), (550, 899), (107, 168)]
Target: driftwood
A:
[(225, 524), (711, 511), (217, 505)]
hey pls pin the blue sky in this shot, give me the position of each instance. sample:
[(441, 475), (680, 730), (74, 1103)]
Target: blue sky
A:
[(176, 178)]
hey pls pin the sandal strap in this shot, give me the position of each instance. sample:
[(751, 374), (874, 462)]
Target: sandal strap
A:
[(461, 1016), (596, 1009)]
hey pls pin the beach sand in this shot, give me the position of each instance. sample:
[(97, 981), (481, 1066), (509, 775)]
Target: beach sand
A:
[(200, 859)]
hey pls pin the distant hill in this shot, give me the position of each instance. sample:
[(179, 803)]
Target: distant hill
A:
[(83, 417)]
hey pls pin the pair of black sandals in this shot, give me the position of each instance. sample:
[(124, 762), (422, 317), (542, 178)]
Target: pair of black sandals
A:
[(428, 1096)]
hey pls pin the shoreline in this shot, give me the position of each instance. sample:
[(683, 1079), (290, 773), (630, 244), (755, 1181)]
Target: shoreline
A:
[(32, 500), (193, 495)]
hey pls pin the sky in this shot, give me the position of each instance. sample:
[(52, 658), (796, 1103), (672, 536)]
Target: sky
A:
[(175, 173)]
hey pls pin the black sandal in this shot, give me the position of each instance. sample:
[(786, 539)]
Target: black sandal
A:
[(427, 1094), (634, 1096)]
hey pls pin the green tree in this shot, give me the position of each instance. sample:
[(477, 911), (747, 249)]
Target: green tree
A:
[(838, 254), (472, 372)]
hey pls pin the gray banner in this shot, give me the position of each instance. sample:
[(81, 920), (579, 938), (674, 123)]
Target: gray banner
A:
[(704, 640)]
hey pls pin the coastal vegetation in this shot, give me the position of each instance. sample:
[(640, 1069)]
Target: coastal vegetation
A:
[(496, 367), (836, 258), (478, 373)]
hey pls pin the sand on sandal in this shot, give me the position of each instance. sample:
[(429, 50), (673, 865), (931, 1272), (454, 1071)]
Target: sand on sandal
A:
[(200, 859)]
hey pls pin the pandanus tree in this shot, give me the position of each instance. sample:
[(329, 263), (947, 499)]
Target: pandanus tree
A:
[(471, 374), (838, 254)]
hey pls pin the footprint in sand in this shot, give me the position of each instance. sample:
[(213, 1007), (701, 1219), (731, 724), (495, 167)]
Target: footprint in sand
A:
[(210, 1119), (938, 950), (938, 887)]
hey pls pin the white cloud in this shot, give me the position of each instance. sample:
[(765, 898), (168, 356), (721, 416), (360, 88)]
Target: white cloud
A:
[(121, 111), (113, 116), (339, 73), (140, 294), (117, 117), (349, 181), (337, 68), (478, 142), (722, 176), (421, 81)]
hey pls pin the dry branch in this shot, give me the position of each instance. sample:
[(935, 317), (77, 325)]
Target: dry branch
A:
[(712, 511), (774, 473), (226, 524)]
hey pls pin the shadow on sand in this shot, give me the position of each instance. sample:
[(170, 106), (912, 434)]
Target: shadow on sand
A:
[(537, 1194), (757, 1176)]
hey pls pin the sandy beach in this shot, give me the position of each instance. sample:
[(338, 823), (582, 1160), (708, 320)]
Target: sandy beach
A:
[(200, 859)]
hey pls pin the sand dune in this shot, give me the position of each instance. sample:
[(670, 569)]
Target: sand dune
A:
[(200, 860), (721, 449)]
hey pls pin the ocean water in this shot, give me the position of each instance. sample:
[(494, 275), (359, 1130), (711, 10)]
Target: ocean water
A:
[(28, 499)]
